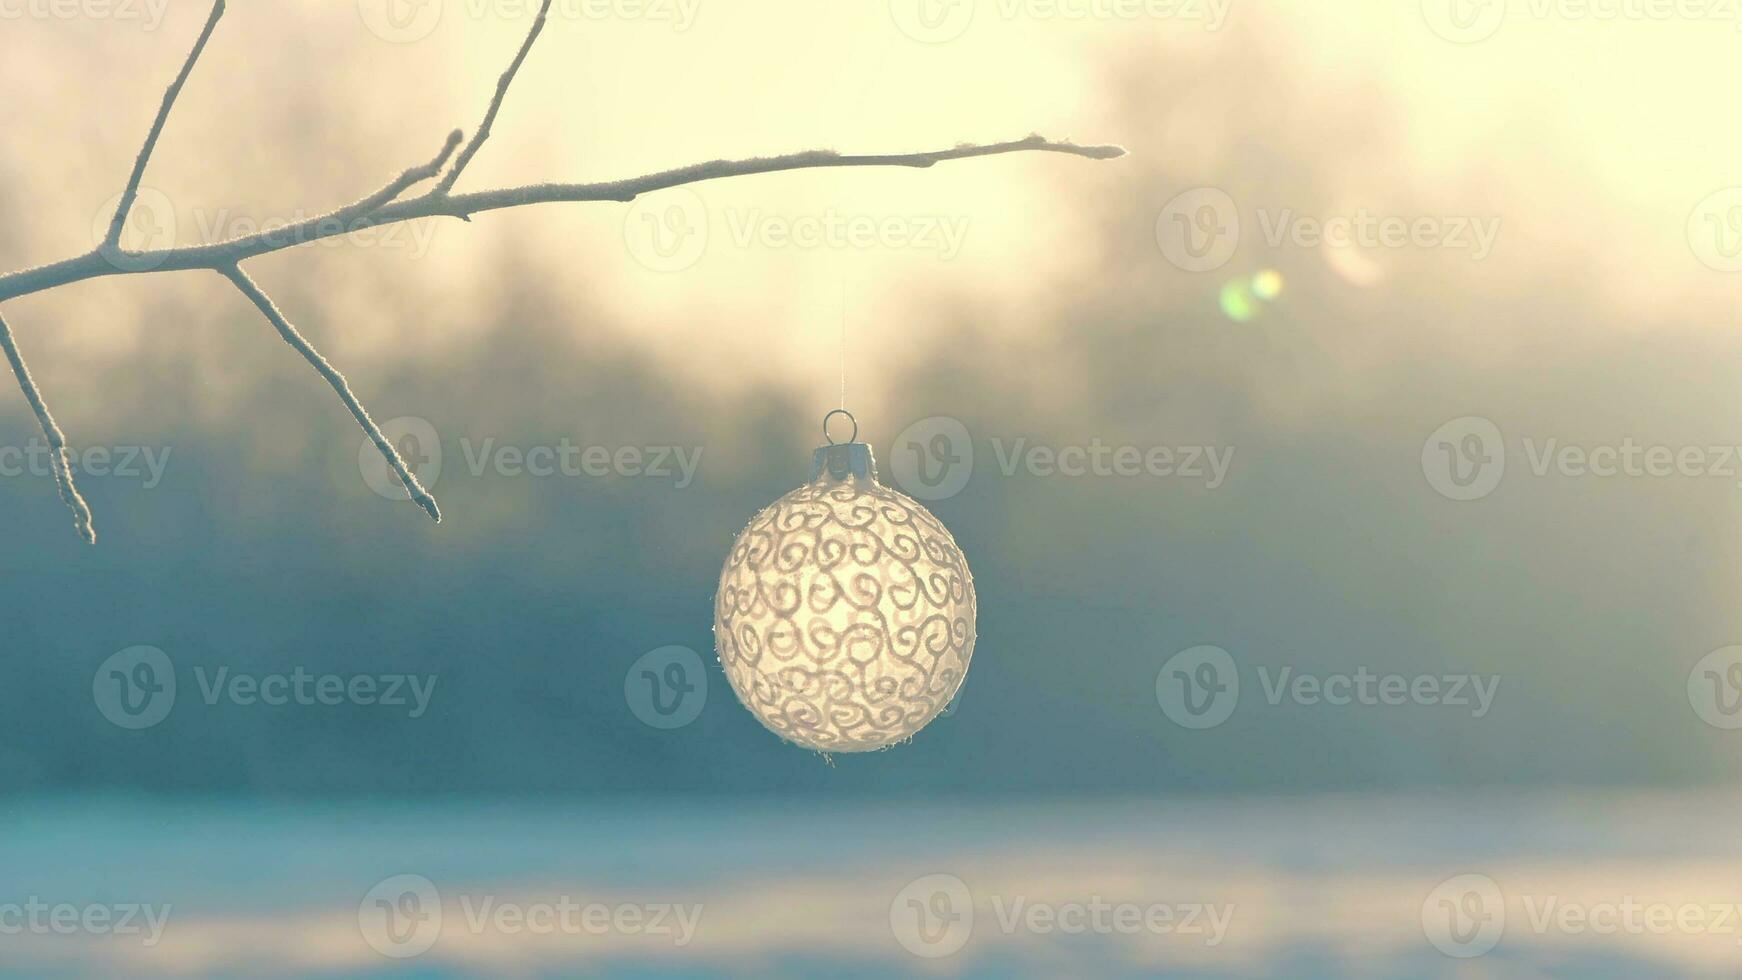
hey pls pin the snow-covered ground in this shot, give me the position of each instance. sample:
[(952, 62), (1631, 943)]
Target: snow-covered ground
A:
[(1467, 885)]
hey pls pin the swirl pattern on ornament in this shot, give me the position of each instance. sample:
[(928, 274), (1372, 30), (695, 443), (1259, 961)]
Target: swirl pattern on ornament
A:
[(845, 616)]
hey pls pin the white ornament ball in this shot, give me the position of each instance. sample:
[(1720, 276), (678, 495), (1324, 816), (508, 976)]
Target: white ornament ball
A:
[(845, 614)]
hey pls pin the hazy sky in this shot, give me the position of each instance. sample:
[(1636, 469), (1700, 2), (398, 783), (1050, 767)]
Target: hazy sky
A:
[(1542, 240)]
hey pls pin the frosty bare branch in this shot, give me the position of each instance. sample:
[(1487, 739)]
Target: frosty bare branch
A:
[(502, 84), (131, 193), (326, 370), (215, 256), (57, 443), (389, 206)]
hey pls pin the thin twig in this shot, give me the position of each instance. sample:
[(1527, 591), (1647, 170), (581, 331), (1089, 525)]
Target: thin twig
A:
[(57, 443), (390, 193), (326, 370), (131, 192), (502, 84)]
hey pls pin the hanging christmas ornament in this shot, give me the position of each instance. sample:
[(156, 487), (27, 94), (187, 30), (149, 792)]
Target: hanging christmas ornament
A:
[(845, 615)]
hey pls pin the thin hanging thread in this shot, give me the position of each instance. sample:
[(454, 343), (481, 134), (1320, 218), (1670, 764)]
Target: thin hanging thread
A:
[(843, 341)]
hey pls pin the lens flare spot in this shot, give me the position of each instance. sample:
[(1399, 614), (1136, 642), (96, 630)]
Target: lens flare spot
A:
[(1267, 284), (1237, 302), (1354, 265)]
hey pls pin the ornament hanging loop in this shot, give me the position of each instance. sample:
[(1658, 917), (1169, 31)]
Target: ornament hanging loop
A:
[(840, 411)]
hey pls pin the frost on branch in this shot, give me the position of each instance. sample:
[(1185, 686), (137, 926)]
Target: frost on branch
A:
[(389, 205)]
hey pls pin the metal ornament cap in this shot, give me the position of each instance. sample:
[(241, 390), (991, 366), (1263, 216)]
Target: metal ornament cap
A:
[(845, 462)]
